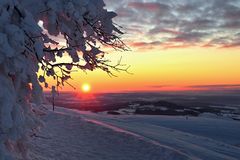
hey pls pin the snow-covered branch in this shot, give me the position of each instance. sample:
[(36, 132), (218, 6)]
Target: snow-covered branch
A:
[(84, 26)]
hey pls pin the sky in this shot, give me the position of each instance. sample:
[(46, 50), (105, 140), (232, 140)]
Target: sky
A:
[(175, 45)]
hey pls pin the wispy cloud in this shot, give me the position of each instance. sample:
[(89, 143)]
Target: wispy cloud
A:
[(216, 87), (159, 86)]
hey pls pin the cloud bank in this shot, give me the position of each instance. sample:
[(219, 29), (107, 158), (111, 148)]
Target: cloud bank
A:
[(179, 23)]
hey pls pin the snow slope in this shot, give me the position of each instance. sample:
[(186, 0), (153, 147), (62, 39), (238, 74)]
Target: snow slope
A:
[(70, 137), (72, 134)]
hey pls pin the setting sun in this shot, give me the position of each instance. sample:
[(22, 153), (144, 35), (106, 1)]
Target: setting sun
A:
[(86, 87)]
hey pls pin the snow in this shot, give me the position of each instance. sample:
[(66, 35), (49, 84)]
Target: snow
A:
[(71, 134), (30, 31)]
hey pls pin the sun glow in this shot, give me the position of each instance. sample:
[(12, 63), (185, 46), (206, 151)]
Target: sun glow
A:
[(86, 88)]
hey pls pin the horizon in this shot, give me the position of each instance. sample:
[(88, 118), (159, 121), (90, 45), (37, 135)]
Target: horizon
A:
[(226, 92)]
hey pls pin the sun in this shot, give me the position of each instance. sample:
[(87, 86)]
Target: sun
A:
[(86, 88)]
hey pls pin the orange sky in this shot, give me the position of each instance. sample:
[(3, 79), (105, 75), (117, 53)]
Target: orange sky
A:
[(175, 45), (172, 69)]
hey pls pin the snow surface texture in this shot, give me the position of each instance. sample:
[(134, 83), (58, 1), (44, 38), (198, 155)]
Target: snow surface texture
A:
[(71, 137), (74, 135), (25, 43)]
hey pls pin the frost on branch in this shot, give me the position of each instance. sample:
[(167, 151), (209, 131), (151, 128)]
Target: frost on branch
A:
[(84, 26)]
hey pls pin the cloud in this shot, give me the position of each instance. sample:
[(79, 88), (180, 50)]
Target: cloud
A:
[(231, 25), (159, 86), (124, 12), (208, 23), (190, 37), (144, 45), (164, 30), (156, 44), (216, 87), (149, 6)]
